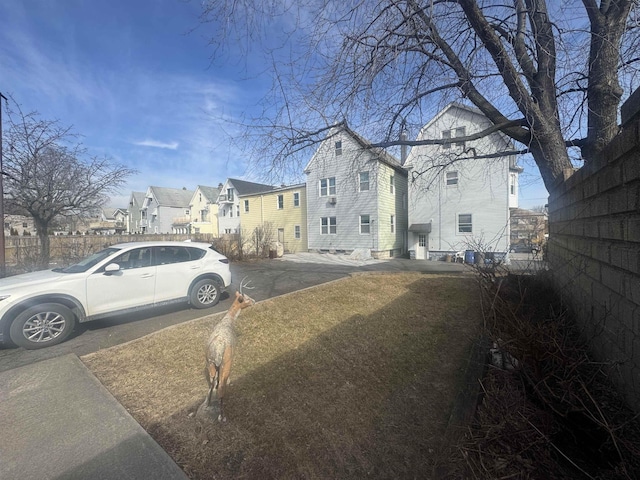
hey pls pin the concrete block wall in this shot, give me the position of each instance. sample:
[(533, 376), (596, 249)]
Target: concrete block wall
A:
[(594, 251)]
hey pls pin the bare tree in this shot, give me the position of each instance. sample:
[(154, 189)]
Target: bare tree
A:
[(48, 174), (548, 78)]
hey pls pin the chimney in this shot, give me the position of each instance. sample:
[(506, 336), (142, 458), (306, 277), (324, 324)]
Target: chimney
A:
[(403, 138)]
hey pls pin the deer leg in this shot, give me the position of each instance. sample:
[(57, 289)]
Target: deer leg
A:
[(212, 377), (223, 379)]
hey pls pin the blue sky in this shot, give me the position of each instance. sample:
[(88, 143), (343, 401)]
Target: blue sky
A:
[(138, 83)]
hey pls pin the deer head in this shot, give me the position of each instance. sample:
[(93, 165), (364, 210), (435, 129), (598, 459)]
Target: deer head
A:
[(242, 298)]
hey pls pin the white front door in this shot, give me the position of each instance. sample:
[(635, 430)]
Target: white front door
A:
[(422, 253)]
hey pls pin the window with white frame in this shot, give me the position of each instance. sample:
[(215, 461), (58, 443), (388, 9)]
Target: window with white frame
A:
[(230, 194), (393, 223), (328, 225), (327, 186), (296, 232), (512, 184), (392, 184), (231, 212), (296, 199), (448, 135), (364, 181), (237, 210), (338, 146), (246, 206), (280, 203), (452, 178), (465, 223), (365, 224), (460, 132)]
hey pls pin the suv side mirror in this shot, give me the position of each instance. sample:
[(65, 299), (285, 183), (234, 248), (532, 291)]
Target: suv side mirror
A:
[(111, 268)]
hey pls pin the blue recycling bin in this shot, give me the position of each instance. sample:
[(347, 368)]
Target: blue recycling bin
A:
[(468, 256)]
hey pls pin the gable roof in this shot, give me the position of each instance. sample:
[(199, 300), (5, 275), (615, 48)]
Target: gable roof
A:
[(211, 193), (172, 197), (297, 186), (379, 154), (246, 188), (137, 197)]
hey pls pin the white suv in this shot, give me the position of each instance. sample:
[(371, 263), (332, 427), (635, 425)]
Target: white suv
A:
[(40, 309)]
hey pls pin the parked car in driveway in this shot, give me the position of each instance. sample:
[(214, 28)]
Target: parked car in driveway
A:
[(40, 309)]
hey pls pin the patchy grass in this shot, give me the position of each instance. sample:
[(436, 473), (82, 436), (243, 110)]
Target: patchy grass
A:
[(350, 379)]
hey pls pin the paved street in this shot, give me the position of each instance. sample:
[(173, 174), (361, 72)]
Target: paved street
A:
[(269, 278)]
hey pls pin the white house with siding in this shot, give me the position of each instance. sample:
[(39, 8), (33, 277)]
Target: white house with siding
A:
[(164, 209), (136, 201), (229, 202), (460, 193), (356, 197)]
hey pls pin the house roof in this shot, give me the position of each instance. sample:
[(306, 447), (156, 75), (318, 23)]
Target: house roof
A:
[(172, 197), (138, 197), (383, 155), (211, 193), (277, 189), (246, 188), (380, 153)]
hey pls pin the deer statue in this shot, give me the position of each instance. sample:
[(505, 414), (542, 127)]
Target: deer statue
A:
[(220, 349)]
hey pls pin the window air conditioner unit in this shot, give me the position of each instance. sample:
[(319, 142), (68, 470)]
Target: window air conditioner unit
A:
[(332, 200)]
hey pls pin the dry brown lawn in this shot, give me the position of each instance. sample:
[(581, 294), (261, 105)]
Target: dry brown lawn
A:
[(350, 379)]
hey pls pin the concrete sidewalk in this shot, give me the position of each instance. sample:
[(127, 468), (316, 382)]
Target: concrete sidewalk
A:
[(59, 422)]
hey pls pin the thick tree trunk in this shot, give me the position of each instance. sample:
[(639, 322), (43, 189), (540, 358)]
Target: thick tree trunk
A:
[(551, 157), (604, 91), (42, 230)]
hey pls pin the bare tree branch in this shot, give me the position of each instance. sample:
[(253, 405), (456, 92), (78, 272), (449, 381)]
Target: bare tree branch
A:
[(48, 174)]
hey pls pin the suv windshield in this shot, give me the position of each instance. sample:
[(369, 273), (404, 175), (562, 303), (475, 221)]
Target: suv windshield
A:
[(86, 263)]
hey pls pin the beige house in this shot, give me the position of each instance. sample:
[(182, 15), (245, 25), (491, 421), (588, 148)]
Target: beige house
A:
[(18, 225), (277, 215), (204, 210)]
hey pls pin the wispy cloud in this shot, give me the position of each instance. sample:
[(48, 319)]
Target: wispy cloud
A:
[(157, 144)]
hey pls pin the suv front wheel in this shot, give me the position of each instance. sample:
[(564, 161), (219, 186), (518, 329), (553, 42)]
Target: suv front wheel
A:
[(42, 326)]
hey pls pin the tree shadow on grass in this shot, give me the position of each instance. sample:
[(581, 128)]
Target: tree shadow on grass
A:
[(369, 396)]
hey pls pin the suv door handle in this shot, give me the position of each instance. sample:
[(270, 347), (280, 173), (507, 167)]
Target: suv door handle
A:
[(146, 275)]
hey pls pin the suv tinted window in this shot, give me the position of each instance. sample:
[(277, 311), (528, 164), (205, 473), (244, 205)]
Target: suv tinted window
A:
[(177, 254), (136, 258)]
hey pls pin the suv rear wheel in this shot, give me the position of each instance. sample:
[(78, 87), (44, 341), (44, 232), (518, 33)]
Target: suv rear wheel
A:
[(206, 293), (42, 326)]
